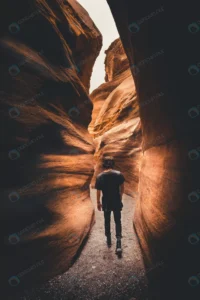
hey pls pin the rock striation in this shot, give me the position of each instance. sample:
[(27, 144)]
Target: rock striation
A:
[(115, 123), (48, 51), (167, 212)]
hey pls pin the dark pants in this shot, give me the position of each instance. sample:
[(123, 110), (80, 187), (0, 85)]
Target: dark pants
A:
[(117, 218)]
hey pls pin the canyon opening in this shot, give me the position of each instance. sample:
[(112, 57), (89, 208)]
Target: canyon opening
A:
[(81, 81)]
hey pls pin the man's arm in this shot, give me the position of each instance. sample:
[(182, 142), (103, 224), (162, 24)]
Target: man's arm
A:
[(98, 195), (121, 190), (98, 200), (121, 185), (98, 187)]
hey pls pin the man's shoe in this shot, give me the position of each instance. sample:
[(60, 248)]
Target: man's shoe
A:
[(118, 246), (109, 240)]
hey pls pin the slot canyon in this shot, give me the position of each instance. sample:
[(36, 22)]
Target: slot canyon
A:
[(55, 134)]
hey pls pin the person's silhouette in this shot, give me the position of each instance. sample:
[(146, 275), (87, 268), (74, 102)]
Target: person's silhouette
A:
[(111, 183)]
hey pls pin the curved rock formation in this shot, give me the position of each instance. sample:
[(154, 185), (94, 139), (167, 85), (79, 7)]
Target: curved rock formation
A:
[(46, 211), (169, 176), (115, 121)]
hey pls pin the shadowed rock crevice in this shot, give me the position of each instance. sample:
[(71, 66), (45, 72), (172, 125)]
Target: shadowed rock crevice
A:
[(48, 156)]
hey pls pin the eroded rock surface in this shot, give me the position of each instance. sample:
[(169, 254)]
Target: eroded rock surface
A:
[(115, 121), (48, 50), (165, 214)]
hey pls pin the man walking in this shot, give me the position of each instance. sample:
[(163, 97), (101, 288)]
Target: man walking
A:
[(111, 183)]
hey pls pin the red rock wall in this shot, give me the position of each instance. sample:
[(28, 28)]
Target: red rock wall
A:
[(48, 50), (162, 46), (115, 121), (163, 55)]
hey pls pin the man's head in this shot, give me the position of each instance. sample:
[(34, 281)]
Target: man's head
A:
[(108, 162)]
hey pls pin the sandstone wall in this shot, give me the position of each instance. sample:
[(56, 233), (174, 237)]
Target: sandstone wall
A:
[(115, 123), (163, 53), (48, 49)]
